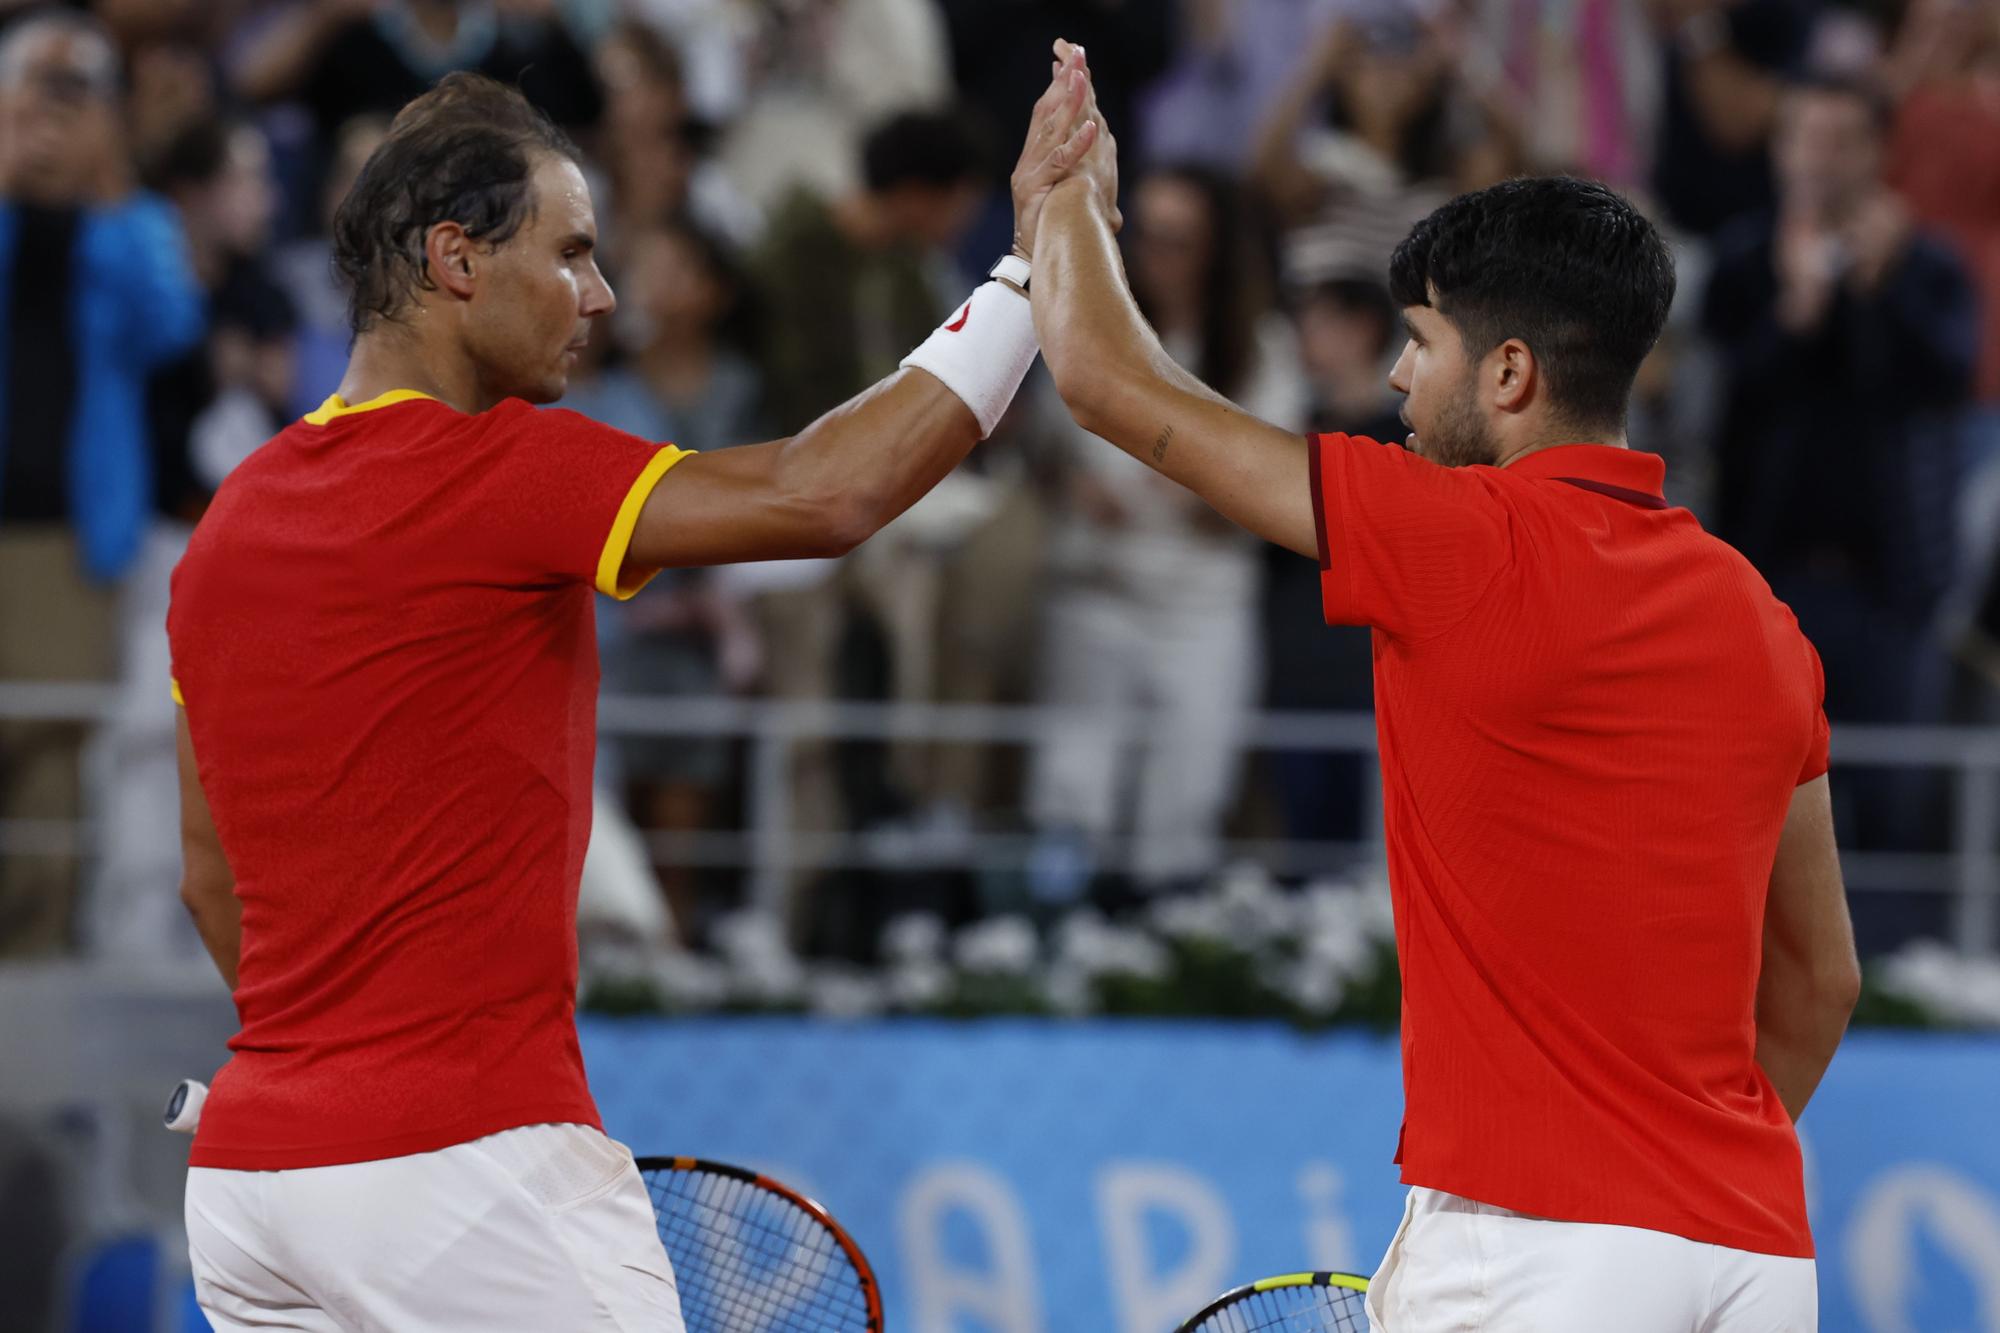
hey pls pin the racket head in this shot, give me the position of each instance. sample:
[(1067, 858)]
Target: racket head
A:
[(1288, 1303), (753, 1255)]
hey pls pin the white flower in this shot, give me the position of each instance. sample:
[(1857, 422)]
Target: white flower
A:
[(1068, 990), (918, 984), (1093, 948), (1257, 909), (690, 981), (1004, 945), (1312, 985), (762, 968), (1962, 987), (841, 992), (1246, 908), (1190, 916), (912, 936), (1339, 929)]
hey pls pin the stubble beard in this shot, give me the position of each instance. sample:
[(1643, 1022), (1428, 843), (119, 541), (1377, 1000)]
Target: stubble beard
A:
[(1459, 437)]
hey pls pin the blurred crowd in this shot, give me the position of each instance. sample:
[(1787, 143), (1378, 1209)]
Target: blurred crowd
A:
[(792, 193)]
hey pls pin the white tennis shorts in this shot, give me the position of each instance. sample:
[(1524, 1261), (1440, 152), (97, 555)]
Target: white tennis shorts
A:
[(532, 1230), (1457, 1266)]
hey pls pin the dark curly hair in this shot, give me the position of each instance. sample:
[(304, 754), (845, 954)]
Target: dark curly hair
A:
[(463, 152), (1565, 265)]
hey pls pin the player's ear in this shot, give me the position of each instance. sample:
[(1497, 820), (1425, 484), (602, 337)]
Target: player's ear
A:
[(450, 258), (1513, 373)]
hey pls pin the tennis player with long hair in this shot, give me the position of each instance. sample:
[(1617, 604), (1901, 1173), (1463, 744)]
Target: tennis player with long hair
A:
[(1626, 954), (383, 637)]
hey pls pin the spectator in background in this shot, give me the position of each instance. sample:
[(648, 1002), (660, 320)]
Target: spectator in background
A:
[(1849, 343), (652, 150), (1578, 81), (1371, 134), (96, 290), (1945, 162), (1000, 55), (1724, 66), (1152, 599), (1347, 325), (1233, 60), (173, 79), (845, 280), (206, 411), (713, 39), (304, 267), (687, 378), (844, 287), (344, 58), (822, 72), (213, 406)]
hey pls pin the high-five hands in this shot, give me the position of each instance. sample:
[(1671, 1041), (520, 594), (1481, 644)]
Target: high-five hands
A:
[(1099, 165), (1066, 138)]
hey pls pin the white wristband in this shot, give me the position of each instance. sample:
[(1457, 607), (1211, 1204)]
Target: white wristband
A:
[(982, 353)]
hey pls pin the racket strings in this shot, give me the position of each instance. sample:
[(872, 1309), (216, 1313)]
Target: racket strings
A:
[(1301, 1309), (747, 1260)]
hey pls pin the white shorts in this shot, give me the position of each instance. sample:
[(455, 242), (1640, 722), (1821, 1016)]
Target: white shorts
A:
[(1457, 1266), (535, 1229)]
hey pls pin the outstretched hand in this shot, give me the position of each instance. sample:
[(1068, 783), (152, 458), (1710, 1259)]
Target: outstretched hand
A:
[(1099, 164), (1064, 128)]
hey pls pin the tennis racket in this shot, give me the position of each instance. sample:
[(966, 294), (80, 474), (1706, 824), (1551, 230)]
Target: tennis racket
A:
[(1292, 1303), (753, 1256)]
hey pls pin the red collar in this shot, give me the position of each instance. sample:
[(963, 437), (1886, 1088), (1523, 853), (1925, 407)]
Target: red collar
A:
[(1623, 474)]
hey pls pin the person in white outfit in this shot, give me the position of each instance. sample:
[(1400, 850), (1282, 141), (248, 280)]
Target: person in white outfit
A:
[(1152, 601)]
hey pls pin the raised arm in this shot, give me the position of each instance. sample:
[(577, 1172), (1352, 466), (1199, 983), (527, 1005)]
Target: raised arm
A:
[(841, 479), (1810, 978), (208, 887), (820, 493), (1120, 384), (280, 56)]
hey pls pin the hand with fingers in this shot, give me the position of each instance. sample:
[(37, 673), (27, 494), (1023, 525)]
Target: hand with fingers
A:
[(1099, 164), (1064, 128)]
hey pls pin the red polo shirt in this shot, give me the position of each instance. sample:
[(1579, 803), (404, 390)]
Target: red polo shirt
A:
[(1592, 718), (384, 634)]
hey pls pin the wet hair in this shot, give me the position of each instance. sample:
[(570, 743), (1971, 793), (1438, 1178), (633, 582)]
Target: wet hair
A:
[(463, 152), (923, 148), (1565, 265)]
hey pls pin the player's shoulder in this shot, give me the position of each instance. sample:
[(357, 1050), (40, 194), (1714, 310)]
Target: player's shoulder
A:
[(1712, 562)]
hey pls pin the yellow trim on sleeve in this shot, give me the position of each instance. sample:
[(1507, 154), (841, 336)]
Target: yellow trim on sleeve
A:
[(174, 688), (611, 562), (336, 406)]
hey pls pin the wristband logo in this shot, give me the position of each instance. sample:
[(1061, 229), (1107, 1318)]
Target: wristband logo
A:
[(959, 323)]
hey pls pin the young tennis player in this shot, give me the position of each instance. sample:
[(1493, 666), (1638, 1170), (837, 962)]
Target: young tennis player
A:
[(1625, 946), (383, 638)]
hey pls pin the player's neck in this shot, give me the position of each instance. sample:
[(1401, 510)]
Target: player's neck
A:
[(393, 356), (1514, 454)]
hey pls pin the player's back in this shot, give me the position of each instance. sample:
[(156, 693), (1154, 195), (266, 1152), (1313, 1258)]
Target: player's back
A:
[(383, 634), (1593, 716)]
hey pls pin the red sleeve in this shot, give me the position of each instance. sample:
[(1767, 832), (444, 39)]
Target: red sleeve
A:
[(1822, 734), (558, 496), (1405, 545)]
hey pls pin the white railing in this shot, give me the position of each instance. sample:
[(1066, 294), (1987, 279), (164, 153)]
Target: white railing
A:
[(772, 850)]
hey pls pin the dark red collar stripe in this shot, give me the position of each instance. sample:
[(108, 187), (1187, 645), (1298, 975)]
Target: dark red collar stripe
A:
[(1625, 493)]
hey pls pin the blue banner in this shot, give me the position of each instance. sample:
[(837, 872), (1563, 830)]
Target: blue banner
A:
[(1110, 1177)]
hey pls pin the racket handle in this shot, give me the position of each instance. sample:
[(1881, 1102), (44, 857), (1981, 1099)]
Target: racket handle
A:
[(183, 1111)]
